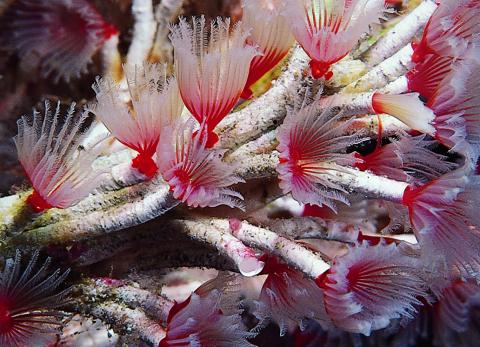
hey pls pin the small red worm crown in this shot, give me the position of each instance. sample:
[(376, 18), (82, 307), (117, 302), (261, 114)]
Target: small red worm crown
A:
[(451, 30), (211, 65), (444, 215), (208, 317), (29, 297), (370, 286), (329, 30), (286, 298), (196, 174), (59, 36), (50, 150), (310, 144), (271, 32), (155, 105)]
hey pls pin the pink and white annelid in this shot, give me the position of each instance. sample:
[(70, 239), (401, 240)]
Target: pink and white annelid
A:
[(59, 36), (451, 30), (312, 147), (289, 299), (329, 30), (211, 65), (208, 318), (155, 104), (370, 286), (270, 31), (446, 222), (29, 298), (426, 75), (456, 104), (50, 150), (196, 174)]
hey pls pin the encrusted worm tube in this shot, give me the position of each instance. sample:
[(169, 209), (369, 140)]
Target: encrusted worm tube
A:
[(295, 254), (247, 261)]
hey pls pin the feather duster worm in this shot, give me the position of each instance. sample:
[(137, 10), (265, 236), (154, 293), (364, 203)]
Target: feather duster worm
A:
[(329, 30), (444, 215), (196, 175), (450, 322), (60, 36), (446, 223), (271, 32), (371, 285), (408, 159), (456, 104), (207, 318), (156, 104), (289, 298), (50, 151), (408, 108), (310, 144), (455, 323), (28, 302), (211, 68), (451, 30), (452, 113), (426, 76)]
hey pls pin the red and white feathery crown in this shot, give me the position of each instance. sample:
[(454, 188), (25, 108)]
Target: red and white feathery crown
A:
[(59, 36), (211, 65), (196, 174), (29, 299), (50, 150), (270, 31), (155, 104), (312, 146), (329, 30)]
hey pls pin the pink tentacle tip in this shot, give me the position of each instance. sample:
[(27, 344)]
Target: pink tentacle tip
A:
[(145, 164), (37, 202)]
